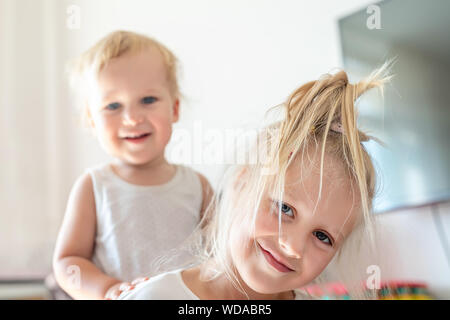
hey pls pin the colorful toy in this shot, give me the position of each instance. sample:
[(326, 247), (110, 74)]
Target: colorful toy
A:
[(389, 290)]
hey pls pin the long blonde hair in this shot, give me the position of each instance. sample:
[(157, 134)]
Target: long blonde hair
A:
[(309, 112)]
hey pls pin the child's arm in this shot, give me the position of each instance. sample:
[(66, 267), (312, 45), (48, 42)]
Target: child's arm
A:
[(207, 195), (74, 271)]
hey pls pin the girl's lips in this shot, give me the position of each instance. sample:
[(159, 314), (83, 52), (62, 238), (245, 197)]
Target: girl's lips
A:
[(139, 139), (274, 262)]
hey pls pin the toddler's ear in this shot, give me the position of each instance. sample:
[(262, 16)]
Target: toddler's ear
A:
[(176, 110)]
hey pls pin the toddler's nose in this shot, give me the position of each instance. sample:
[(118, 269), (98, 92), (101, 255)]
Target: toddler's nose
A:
[(131, 118)]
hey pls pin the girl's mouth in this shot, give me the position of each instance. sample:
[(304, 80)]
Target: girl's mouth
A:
[(274, 262), (137, 139)]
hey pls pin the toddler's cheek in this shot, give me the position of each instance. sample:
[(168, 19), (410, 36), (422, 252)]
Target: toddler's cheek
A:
[(106, 141), (162, 124)]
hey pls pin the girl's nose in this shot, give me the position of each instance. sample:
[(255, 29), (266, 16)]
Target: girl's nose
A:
[(132, 117), (292, 246)]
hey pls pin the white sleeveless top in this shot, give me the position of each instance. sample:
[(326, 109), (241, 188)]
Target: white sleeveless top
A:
[(170, 286), (139, 226)]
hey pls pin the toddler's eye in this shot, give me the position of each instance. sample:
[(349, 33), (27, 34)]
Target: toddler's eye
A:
[(285, 208), (113, 106), (322, 237), (148, 100)]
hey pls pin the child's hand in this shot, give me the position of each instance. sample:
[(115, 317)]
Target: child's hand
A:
[(116, 290)]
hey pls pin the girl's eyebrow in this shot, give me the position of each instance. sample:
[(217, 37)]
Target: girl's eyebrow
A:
[(154, 90), (108, 93), (337, 234), (111, 92), (151, 89)]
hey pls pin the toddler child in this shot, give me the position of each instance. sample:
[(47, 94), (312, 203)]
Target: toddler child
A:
[(123, 216)]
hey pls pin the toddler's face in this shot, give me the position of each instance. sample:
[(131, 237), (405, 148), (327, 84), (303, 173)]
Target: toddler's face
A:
[(293, 258), (132, 107)]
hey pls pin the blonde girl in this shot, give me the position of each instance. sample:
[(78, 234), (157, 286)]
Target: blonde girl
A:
[(278, 224), (122, 216)]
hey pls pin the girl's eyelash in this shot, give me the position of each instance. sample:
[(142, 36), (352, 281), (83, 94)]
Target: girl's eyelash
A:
[(145, 100), (283, 207), (321, 235), (112, 106), (149, 100)]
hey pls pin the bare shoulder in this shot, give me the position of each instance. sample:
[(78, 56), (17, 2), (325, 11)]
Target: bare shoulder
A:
[(82, 199), (206, 186), (83, 184), (207, 193), (82, 193), (76, 235), (207, 190)]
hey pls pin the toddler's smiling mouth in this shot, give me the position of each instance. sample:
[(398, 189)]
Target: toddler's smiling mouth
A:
[(136, 137)]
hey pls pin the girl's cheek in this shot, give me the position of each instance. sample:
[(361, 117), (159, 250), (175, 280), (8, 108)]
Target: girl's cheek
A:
[(104, 122), (238, 236), (266, 222), (319, 261)]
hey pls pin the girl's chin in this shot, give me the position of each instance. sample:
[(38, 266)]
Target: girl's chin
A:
[(261, 282), (263, 287), (138, 160)]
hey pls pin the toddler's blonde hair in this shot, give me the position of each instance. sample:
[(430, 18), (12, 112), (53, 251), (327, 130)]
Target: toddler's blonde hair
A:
[(85, 69)]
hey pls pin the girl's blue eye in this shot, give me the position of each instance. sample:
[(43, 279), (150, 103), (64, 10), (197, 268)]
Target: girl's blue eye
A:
[(285, 209), (322, 237), (113, 106), (148, 100)]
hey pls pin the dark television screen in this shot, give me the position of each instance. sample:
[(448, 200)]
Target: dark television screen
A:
[(413, 119)]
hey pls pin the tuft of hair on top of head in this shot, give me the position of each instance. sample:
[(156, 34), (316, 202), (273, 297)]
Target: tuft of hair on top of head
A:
[(325, 110), (85, 68)]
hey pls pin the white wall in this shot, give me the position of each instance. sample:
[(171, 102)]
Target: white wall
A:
[(412, 247), (33, 156)]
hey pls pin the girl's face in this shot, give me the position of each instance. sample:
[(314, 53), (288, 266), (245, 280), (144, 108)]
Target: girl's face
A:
[(132, 108), (281, 257)]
